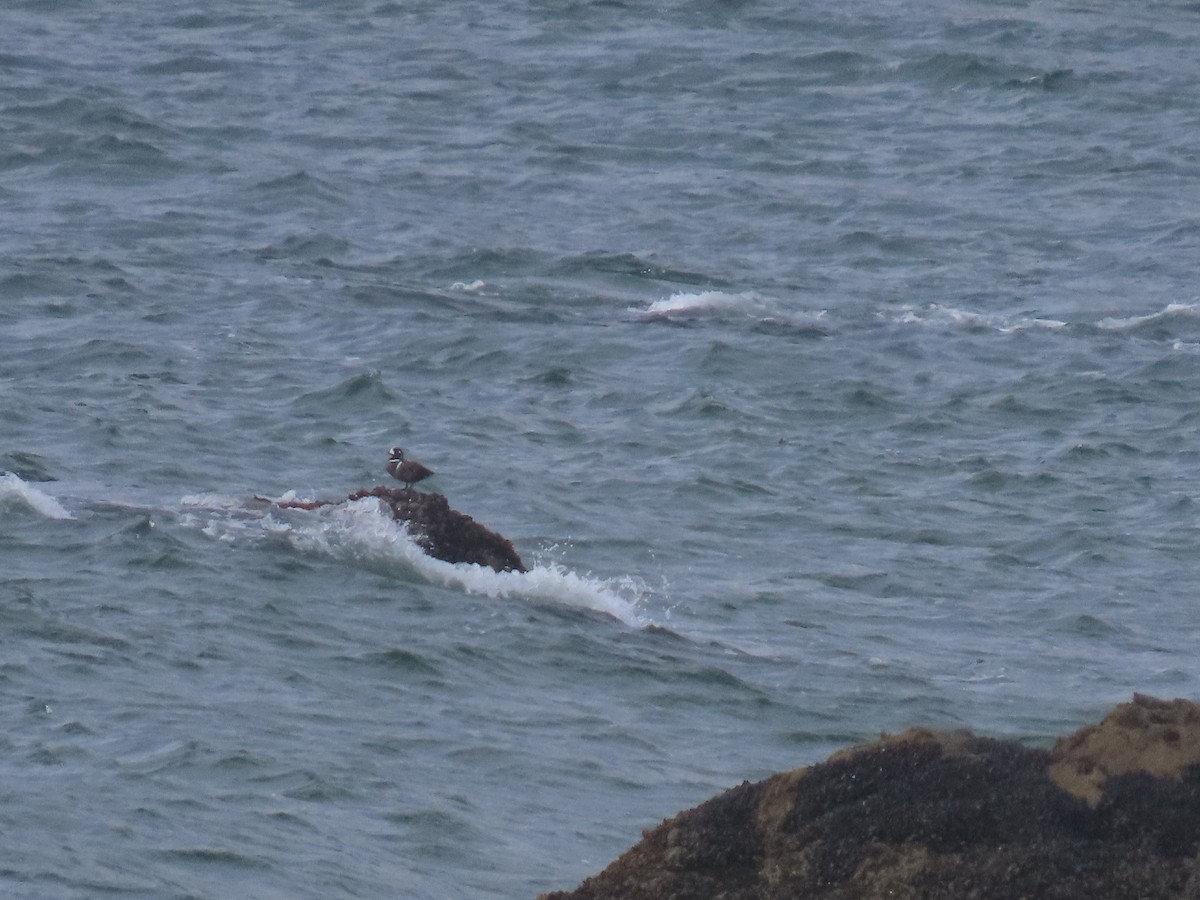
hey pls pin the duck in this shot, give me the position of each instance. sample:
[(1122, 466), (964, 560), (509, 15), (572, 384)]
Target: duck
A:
[(407, 470)]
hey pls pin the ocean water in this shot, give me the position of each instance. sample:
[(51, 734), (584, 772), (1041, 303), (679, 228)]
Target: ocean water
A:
[(833, 366)]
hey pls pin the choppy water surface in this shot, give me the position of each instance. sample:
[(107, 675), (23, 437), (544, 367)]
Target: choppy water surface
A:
[(833, 369)]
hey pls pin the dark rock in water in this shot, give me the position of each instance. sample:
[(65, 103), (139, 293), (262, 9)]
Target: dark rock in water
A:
[(1112, 811), (445, 533)]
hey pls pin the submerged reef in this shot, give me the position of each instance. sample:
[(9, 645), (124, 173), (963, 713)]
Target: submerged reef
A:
[(1112, 811)]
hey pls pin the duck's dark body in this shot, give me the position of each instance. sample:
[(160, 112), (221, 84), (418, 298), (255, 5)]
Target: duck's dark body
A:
[(408, 471)]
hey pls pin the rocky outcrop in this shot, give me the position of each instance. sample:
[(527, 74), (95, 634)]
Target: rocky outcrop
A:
[(1112, 811), (445, 533)]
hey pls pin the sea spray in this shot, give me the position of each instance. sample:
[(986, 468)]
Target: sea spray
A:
[(364, 531), (13, 489)]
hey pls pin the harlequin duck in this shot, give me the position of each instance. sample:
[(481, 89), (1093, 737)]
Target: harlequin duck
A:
[(407, 470)]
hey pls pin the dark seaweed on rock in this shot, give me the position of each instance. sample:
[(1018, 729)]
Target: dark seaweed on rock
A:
[(1110, 812)]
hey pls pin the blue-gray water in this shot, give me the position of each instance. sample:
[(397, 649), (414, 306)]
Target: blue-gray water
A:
[(834, 367)]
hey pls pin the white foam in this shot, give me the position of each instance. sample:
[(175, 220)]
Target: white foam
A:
[(475, 285), (11, 486), (363, 531)]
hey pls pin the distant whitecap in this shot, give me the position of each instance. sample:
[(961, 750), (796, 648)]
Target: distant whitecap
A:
[(685, 303), (1128, 323)]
